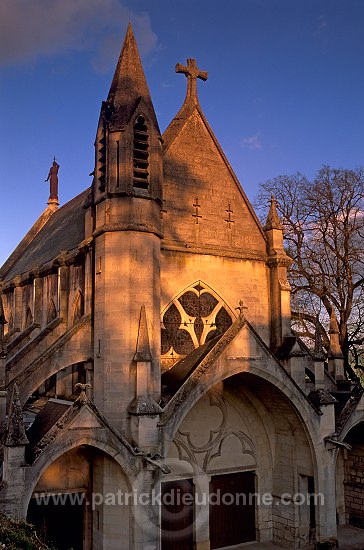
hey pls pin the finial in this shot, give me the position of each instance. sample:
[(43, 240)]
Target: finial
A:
[(53, 183), (273, 221), (82, 395), (192, 72)]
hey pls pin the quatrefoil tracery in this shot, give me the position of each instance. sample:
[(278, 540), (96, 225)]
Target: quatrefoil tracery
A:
[(191, 319)]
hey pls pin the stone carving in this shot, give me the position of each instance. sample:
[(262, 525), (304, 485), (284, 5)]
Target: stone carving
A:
[(192, 72), (53, 180), (200, 452)]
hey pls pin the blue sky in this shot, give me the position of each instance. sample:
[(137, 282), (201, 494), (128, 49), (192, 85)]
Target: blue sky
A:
[(284, 93)]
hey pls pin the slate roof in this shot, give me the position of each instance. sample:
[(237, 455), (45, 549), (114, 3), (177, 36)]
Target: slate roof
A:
[(173, 379), (64, 230), (44, 421)]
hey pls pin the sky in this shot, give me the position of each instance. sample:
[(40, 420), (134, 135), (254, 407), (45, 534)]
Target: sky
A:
[(284, 92)]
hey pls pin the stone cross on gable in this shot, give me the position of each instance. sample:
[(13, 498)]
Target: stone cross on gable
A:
[(196, 215), (192, 72)]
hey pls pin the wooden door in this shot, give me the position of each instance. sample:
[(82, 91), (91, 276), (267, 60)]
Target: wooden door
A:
[(232, 509)]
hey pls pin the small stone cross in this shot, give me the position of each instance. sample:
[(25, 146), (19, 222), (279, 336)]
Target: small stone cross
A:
[(229, 220), (196, 215), (192, 72)]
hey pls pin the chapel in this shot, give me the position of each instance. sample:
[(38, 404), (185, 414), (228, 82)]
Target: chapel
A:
[(152, 393)]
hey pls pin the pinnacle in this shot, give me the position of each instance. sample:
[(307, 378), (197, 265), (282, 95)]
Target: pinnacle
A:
[(15, 435), (143, 348), (273, 221), (129, 85)]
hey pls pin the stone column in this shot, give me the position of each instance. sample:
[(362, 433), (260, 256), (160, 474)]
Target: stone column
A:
[(88, 283), (325, 484), (18, 304), (63, 275), (278, 263), (202, 512), (15, 441), (326, 496), (37, 300), (147, 513)]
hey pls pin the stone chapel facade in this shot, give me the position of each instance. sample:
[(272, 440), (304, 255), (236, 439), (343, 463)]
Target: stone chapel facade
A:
[(146, 346)]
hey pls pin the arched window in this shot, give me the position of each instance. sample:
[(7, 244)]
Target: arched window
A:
[(52, 312), (141, 154), (192, 319), (78, 308)]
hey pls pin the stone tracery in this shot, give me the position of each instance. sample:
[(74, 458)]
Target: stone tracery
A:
[(194, 317)]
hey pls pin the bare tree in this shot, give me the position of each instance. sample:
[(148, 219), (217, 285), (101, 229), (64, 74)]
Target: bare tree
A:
[(323, 222)]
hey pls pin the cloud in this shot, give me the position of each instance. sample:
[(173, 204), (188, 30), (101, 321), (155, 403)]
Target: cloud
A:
[(252, 142), (30, 29)]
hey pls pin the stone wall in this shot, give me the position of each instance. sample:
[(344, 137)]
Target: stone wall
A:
[(354, 486)]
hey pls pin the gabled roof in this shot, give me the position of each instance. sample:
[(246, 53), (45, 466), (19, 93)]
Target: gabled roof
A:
[(187, 111), (173, 378), (56, 418), (63, 231), (190, 373), (46, 419)]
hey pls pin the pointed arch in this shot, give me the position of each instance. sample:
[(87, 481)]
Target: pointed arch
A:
[(51, 312), (77, 308), (194, 316)]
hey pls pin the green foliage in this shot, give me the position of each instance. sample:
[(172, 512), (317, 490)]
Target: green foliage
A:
[(19, 536)]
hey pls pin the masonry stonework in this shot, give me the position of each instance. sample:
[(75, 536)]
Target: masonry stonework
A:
[(146, 351)]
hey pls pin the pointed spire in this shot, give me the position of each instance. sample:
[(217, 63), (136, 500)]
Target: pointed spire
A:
[(129, 85), (15, 435), (143, 352), (273, 220)]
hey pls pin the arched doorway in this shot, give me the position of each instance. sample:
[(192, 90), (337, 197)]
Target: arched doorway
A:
[(243, 444), (78, 501)]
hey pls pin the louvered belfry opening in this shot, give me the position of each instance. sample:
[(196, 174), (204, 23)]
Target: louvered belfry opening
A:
[(101, 159), (141, 154)]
